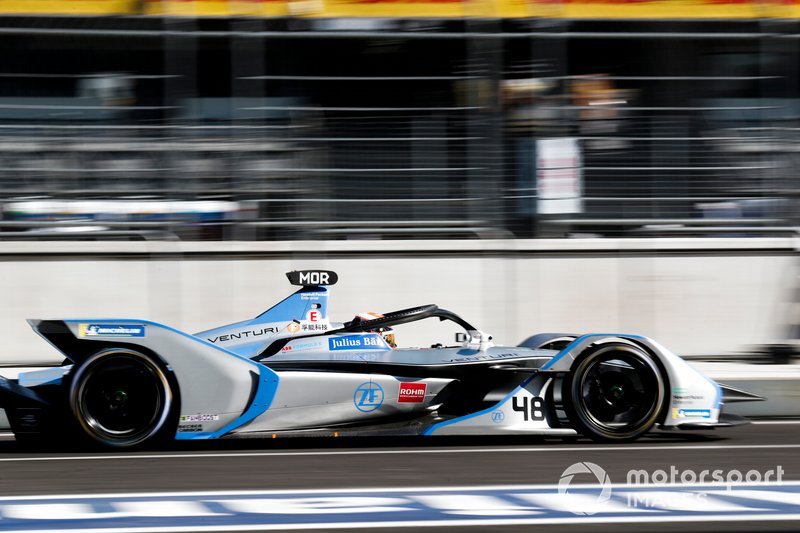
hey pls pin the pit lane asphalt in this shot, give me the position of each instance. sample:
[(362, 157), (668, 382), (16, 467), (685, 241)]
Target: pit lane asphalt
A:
[(308, 463)]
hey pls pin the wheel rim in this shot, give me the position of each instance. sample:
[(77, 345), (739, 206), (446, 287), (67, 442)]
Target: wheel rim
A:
[(620, 391), (121, 398)]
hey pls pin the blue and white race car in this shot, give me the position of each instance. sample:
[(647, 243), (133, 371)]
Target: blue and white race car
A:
[(293, 371)]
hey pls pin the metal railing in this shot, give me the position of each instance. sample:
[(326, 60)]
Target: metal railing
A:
[(412, 134)]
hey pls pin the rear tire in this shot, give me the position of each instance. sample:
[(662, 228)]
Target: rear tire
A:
[(122, 398), (615, 392)]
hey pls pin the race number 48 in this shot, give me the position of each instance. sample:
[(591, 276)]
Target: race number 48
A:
[(533, 410)]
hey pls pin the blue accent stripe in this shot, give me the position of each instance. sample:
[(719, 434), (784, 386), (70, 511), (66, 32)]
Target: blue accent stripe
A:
[(718, 403), (521, 386), (267, 387), (46, 376), (193, 436), (30, 382)]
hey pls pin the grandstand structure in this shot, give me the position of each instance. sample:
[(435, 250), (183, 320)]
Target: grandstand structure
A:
[(315, 119)]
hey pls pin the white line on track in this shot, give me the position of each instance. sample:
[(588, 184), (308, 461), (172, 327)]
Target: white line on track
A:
[(441, 523), (379, 490), (405, 451), (774, 422)]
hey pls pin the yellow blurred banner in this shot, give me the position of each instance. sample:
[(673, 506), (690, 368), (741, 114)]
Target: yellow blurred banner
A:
[(602, 9), (596, 9), (317, 8), (224, 8), (70, 7), (643, 9)]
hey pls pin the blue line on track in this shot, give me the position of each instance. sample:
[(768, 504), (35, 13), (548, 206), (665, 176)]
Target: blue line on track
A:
[(413, 507)]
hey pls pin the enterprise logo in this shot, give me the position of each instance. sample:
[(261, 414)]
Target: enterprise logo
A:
[(110, 330), (691, 413)]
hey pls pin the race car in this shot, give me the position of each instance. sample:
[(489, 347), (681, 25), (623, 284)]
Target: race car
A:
[(291, 371)]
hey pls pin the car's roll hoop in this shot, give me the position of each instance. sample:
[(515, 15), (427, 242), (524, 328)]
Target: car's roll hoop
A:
[(312, 278)]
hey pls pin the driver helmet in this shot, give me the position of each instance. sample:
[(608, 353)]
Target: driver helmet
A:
[(386, 332)]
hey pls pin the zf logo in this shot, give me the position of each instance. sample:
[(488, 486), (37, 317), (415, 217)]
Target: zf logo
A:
[(368, 397), (533, 412)]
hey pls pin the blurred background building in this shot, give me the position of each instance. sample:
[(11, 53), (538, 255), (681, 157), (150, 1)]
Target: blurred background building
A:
[(340, 119), (259, 136)]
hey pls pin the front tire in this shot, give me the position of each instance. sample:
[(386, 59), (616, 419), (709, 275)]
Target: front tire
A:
[(615, 392), (122, 398)]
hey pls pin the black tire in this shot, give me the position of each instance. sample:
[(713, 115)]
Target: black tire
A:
[(615, 392), (122, 398)]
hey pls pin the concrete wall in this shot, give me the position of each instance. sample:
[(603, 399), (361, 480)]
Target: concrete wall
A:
[(696, 296)]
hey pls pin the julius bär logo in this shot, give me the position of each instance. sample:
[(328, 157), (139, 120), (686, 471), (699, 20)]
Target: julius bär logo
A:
[(357, 342)]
